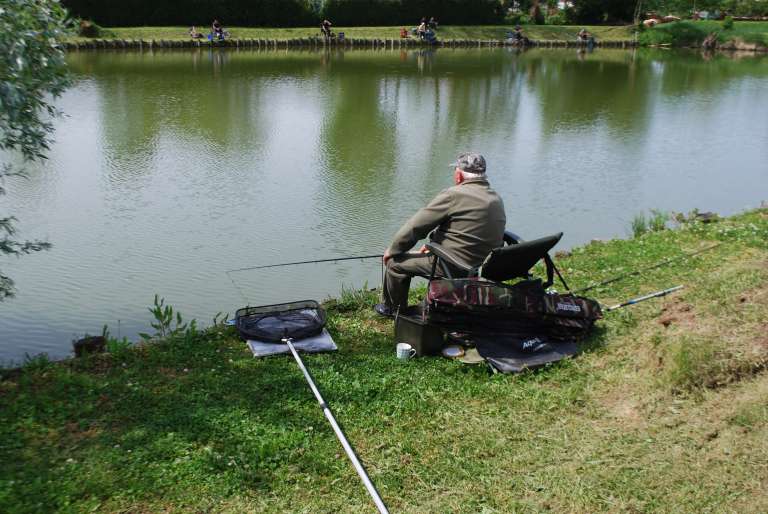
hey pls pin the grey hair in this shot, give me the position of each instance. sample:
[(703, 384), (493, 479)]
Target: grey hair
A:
[(468, 175)]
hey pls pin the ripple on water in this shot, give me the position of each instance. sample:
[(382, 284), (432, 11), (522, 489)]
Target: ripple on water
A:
[(175, 167)]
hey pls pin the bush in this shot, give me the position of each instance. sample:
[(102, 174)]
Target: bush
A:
[(368, 12), (728, 23), (409, 12), (88, 28), (515, 19), (559, 18), (586, 12), (746, 7), (518, 19), (679, 33)]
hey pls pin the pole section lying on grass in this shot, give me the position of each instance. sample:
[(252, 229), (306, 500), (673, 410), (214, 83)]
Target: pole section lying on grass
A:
[(641, 270), (339, 433), (639, 299)]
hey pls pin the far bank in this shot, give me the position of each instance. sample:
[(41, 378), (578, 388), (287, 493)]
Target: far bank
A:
[(746, 35)]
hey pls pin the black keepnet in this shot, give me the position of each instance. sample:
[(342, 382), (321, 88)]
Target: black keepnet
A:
[(273, 323)]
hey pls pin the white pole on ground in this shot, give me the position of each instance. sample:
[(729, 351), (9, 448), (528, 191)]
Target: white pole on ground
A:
[(339, 434), (633, 301)]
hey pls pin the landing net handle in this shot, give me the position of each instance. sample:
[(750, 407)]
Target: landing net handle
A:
[(339, 433)]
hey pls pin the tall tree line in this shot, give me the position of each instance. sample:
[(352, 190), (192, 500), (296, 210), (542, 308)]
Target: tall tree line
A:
[(284, 13)]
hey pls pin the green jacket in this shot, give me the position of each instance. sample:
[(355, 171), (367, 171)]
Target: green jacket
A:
[(468, 220)]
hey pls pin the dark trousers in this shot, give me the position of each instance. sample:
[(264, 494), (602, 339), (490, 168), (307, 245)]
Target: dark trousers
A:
[(397, 278)]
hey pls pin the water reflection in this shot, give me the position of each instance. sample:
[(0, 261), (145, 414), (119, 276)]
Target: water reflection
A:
[(175, 166)]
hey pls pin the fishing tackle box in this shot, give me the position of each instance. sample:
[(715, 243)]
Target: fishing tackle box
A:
[(411, 327)]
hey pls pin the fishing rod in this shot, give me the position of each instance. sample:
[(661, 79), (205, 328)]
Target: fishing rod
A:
[(641, 270), (639, 299), (336, 259)]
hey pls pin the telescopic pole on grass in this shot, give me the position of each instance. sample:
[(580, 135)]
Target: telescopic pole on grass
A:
[(339, 433), (649, 268), (639, 299)]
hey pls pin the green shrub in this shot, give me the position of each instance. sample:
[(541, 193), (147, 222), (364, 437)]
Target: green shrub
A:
[(409, 12), (87, 28), (518, 19), (559, 18), (515, 19), (679, 33), (728, 23), (746, 7), (165, 318), (119, 348)]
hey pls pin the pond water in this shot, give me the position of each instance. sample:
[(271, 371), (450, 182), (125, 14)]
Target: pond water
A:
[(172, 167)]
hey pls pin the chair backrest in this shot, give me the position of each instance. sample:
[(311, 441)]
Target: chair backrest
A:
[(515, 261)]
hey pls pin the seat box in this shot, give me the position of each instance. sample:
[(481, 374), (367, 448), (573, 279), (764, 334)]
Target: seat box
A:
[(411, 328)]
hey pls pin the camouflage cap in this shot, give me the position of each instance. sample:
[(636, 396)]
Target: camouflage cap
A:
[(470, 162)]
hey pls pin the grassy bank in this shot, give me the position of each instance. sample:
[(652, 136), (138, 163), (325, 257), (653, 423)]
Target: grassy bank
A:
[(673, 34), (666, 410), (485, 32), (687, 33)]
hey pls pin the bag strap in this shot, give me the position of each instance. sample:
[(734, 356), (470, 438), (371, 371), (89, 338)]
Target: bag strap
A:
[(551, 270)]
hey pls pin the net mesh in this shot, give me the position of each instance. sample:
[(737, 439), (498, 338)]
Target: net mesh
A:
[(296, 320)]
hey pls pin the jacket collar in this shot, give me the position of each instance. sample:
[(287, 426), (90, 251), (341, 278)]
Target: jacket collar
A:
[(478, 180)]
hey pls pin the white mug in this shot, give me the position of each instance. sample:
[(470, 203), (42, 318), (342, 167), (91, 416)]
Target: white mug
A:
[(405, 351)]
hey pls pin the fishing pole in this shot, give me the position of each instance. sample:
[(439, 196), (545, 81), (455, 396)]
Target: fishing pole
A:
[(336, 259), (639, 299), (338, 431), (641, 270)]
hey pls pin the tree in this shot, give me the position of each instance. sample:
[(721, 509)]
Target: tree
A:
[(603, 11), (32, 72)]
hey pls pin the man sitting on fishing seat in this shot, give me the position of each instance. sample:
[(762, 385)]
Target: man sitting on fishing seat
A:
[(467, 219)]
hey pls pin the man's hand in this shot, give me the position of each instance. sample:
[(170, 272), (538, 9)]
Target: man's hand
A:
[(387, 256), (424, 249)]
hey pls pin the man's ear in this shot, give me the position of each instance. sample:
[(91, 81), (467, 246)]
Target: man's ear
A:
[(458, 177)]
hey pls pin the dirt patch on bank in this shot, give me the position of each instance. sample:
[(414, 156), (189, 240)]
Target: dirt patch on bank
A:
[(677, 312)]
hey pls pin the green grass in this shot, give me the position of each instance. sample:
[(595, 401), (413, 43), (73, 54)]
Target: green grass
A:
[(665, 411), (542, 32), (690, 33)]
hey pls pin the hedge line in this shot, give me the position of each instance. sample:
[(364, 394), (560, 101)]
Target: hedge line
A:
[(408, 12), (283, 13)]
